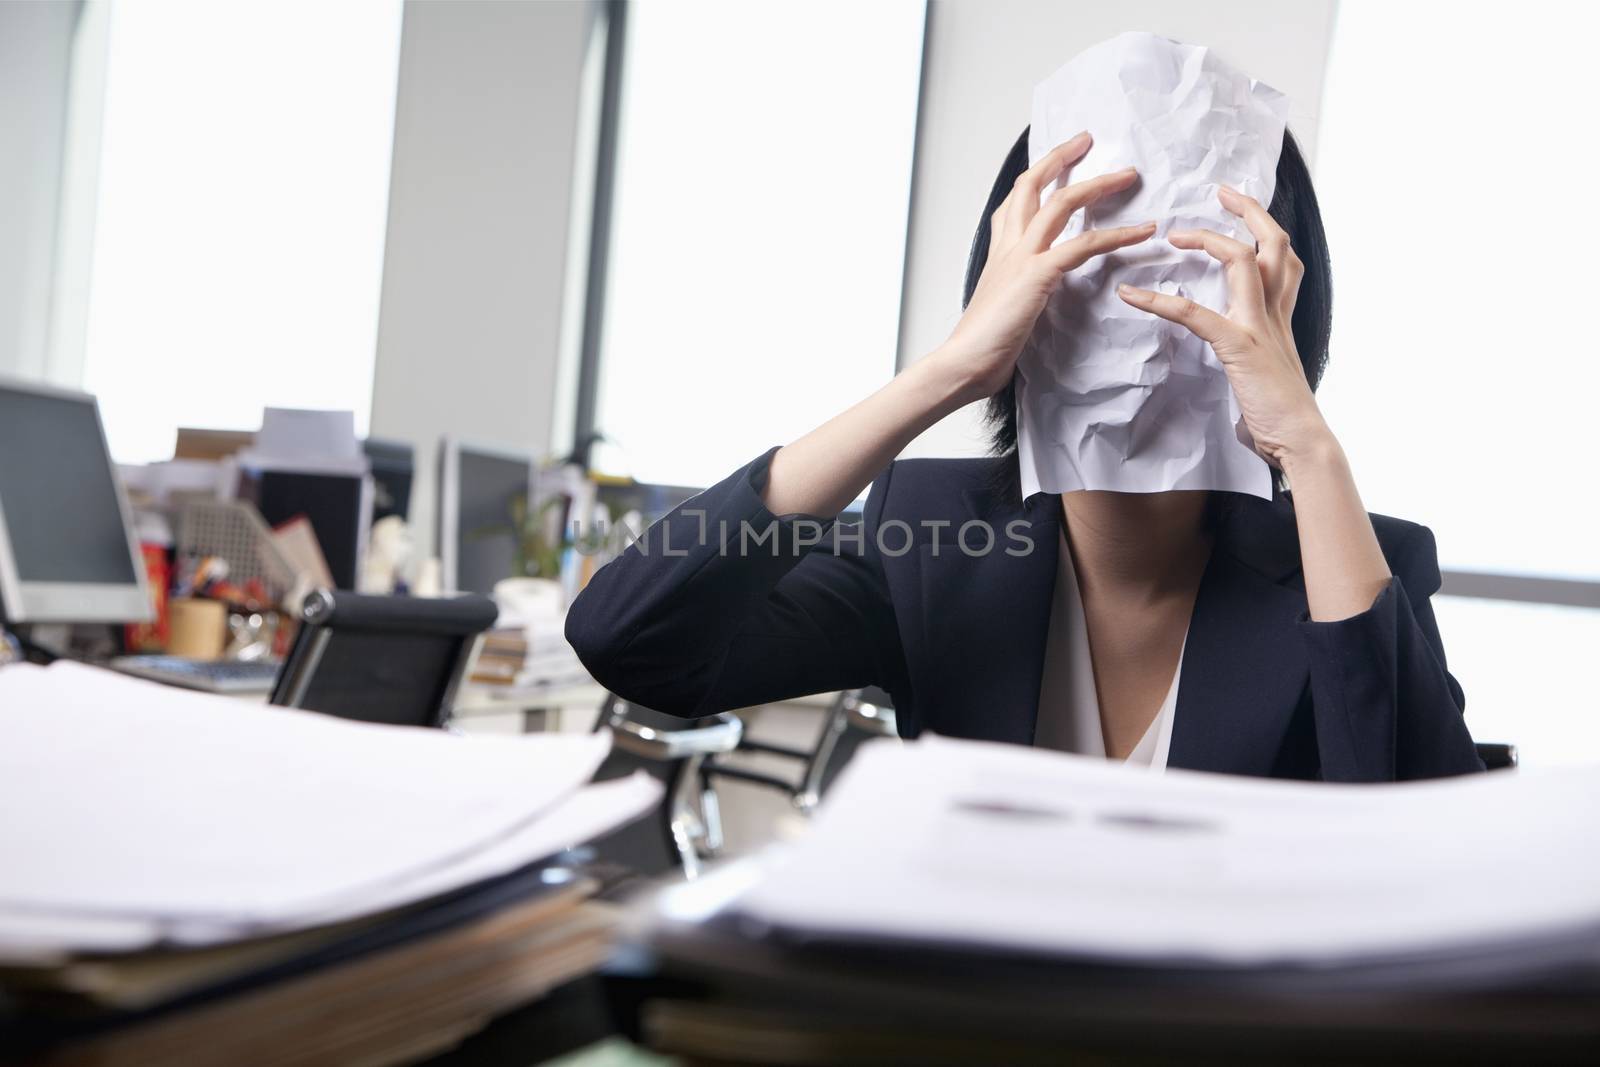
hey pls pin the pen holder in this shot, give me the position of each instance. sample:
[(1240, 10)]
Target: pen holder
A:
[(199, 628)]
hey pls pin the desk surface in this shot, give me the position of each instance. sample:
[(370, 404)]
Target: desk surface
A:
[(477, 698)]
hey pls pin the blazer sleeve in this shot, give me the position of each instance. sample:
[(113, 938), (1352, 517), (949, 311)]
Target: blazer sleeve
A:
[(724, 605), (1385, 706)]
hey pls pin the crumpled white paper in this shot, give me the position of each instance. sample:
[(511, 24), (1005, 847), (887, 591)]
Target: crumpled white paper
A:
[(1111, 397)]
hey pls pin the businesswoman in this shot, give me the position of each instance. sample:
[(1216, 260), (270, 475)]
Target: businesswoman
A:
[(1287, 638)]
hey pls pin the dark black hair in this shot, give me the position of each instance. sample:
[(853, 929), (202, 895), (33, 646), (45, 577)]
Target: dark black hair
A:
[(1294, 207)]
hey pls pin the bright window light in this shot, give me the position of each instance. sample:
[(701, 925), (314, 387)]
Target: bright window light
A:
[(763, 177), (1455, 170), (242, 205), (1526, 670)]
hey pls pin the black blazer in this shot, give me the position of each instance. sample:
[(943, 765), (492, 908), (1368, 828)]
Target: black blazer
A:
[(687, 623)]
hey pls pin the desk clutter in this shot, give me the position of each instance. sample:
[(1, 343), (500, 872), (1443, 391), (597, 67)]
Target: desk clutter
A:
[(214, 556), (237, 529), (188, 875)]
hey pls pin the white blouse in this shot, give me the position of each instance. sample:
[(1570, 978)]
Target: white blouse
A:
[(1069, 706)]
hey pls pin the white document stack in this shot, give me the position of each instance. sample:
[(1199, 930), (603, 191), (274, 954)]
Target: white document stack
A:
[(962, 902), (1004, 848), (137, 815)]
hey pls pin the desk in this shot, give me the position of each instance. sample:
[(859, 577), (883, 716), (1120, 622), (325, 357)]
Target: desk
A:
[(567, 707), (570, 707)]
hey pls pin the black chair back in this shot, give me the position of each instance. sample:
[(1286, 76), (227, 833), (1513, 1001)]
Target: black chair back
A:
[(386, 659)]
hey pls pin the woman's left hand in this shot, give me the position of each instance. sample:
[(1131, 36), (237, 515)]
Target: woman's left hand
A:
[(1254, 341)]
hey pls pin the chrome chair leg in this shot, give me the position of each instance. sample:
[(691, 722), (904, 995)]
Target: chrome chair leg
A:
[(809, 794), (711, 820), (688, 829)]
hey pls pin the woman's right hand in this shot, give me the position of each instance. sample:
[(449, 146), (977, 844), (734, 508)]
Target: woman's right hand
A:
[(820, 473), (1022, 269)]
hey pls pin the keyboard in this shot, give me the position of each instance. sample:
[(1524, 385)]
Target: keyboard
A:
[(212, 676)]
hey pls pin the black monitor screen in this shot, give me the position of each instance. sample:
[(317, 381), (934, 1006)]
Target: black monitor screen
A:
[(58, 493), (486, 545), (334, 505)]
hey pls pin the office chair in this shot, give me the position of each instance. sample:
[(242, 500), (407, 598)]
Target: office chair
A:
[(856, 716), (688, 827), (386, 659), (1497, 757)]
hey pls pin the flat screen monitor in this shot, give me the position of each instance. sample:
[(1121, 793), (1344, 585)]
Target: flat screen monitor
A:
[(338, 506), (478, 487), (67, 549), (652, 502)]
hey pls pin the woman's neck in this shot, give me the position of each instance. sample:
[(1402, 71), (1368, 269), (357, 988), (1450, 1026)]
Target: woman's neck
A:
[(1145, 544)]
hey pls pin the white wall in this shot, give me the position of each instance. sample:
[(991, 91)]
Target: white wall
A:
[(35, 61), (983, 60), (485, 127)]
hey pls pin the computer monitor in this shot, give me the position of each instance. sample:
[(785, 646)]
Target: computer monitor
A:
[(67, 548), (477, 488), (338, 505), (652, 502)]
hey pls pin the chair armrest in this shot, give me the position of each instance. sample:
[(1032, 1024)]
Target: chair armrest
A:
[(876, 719), (721, 734), (1497, 757)]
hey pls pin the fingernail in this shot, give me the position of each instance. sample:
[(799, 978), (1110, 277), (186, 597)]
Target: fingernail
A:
[(1124, 290), (1080, 135)]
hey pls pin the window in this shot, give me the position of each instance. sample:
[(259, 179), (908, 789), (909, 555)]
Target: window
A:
[(1454, 177), (1525, 669), (241, 209), (758, 231)]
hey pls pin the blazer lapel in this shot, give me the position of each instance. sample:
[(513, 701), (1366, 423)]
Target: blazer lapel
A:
[(985, 622), (1244, 666)]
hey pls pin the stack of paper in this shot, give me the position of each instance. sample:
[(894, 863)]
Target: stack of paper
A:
[(140, 815), (188, 878), (1002, 847), (306, 440), (961, 902), (530, 638), (552, 662), (997, 846)]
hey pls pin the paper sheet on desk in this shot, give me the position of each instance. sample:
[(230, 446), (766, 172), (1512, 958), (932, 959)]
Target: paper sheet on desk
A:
[(1111, 397), (989, 845), (32, 937), (136, 811)]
